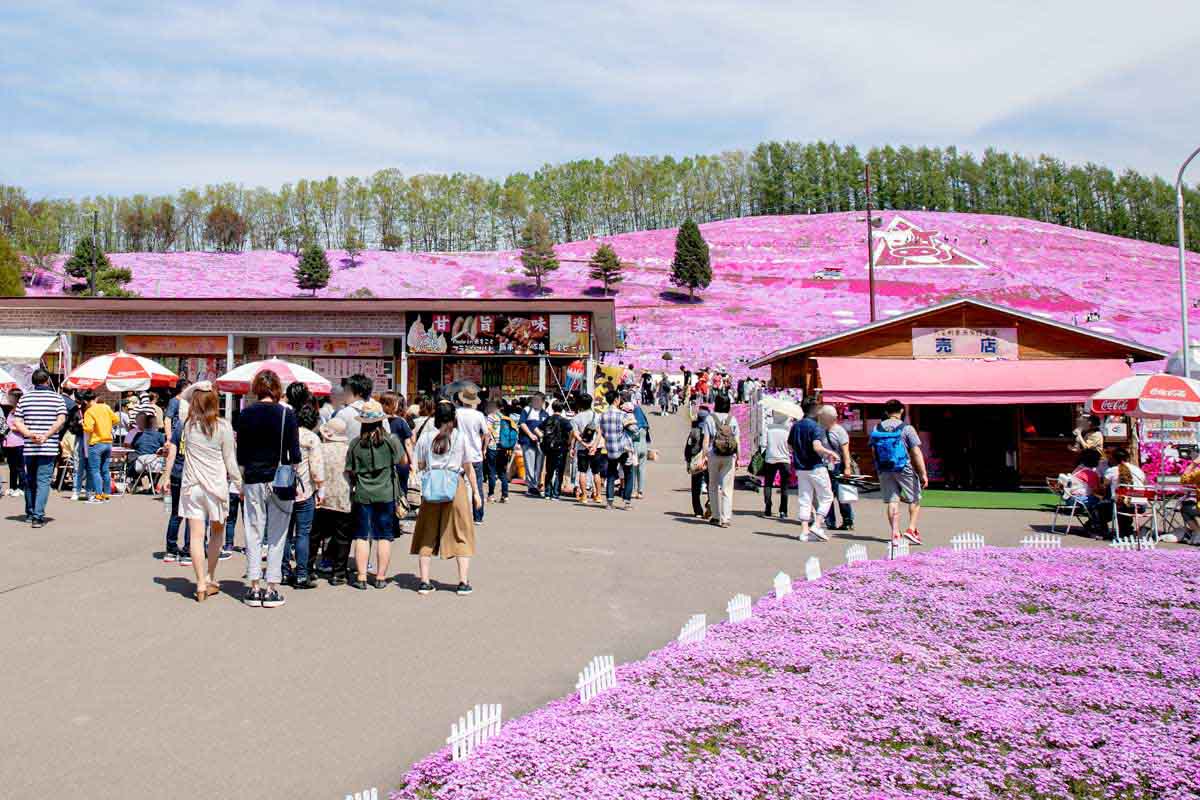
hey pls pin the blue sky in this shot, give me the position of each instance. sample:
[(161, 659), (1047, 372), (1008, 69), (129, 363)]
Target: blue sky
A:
[(105, 97)]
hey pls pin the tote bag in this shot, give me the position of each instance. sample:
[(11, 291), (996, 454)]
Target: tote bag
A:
[(439, 485)]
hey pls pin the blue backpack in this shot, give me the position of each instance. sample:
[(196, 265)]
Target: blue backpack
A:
[(508, 434), (888, 449)]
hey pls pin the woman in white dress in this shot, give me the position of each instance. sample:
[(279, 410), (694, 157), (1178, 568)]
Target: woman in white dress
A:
[(209, 474)]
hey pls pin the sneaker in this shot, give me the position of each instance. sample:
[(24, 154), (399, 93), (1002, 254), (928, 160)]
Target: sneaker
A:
[(913, 535), (304, 583), (609, 506), (337, 579), (464, 589), (504, 499), (357, 584), (272, 599), (225, 554), (185, 560), (170, 558), (783, 515), (425, 588), (76, 497), (380, 583), (819, 533), (38, 523), (104, 498), (92, 501), (253, 597)]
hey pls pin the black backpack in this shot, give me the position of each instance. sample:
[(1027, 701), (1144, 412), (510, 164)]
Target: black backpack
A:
[(553, 434)]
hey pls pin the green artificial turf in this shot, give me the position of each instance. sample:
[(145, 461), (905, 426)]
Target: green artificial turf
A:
[(1024, 501)]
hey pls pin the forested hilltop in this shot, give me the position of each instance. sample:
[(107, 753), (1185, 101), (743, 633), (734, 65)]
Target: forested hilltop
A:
[(454, 212)]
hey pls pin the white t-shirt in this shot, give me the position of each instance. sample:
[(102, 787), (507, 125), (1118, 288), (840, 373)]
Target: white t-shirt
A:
[(1112, 475), (474, 427), (777, 449), (452, 459)]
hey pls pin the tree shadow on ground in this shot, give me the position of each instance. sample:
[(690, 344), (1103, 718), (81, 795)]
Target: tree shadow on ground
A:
[(672, 296), (526, 290), (598, 291)]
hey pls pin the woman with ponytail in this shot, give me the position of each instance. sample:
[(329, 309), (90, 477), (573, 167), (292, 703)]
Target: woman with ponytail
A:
[(445, 524)]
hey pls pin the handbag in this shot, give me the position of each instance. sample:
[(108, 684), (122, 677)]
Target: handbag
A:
[(847, 493), (439, 485), (757, 461), (284, 482)]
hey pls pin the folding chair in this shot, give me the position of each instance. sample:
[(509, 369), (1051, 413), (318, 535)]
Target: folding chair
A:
[(1067, 505), (152, 473), (1141, 507)]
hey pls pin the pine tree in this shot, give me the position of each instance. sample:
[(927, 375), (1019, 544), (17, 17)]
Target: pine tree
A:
[(691, 267), (312, 270), (605, 267), (79, 265), (11, 284), (537, 249)]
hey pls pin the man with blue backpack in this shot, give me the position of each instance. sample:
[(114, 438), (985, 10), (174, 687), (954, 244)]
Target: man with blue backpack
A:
[(896, 448)]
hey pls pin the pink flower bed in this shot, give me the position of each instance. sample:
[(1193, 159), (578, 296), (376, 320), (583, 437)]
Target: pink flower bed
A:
[(1017, 674), (764, 295)]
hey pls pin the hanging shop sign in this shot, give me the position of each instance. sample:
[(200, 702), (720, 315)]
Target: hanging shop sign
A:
[(570, 334), (325, 346), (379, 370), (176, 345), (479, 334), (964, 342)]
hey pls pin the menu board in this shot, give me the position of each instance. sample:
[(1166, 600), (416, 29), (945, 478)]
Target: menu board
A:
[(466, 371), (379, 370), (176, 345), (499, 334), (325, 346)]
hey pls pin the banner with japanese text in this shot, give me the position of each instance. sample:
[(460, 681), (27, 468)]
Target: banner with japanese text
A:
[(479, 334)]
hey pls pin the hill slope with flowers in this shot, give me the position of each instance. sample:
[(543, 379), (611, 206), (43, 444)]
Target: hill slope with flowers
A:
[(776, 280)]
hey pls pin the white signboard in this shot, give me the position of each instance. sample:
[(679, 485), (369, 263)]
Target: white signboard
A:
[(965, 343)]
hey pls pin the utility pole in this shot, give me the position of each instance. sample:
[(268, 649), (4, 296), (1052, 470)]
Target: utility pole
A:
[(1183, 297), (96, 243), (870, 246)]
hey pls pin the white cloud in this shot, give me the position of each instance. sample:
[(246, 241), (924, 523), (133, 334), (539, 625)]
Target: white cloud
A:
[(509, 85)]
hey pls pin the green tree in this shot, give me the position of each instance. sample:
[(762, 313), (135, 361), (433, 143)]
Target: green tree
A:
[(537, 249), (225, 228), (353, 245), (79, 265), (11, 284), (605, 267), (312, 270), (691, 267)]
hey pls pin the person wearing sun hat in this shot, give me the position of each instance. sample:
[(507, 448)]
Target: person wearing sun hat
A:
[(477, 435), (371, 461)]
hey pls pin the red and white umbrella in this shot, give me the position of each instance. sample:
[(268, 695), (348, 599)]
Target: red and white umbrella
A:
[(120, 372), (1158, 396), (7, 382), (240, 379)]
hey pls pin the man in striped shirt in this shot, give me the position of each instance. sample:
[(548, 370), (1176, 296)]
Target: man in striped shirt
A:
[(39, 417)]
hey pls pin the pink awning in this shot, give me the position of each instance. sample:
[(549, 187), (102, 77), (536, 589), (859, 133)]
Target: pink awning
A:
[(933, 381)]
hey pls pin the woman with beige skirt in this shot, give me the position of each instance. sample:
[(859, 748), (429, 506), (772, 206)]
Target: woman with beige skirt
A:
[(210, 471), (445, 528)]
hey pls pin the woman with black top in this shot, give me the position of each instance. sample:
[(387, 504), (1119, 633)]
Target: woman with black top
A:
[(267, 435)]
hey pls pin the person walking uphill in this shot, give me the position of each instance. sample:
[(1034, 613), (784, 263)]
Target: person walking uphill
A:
[(209, 471), (371, 462), (896, 448), (444, 524), (722, 442), (268, 448), (39, 418)]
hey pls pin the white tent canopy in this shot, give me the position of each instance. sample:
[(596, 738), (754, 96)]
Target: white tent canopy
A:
[(27, 348)]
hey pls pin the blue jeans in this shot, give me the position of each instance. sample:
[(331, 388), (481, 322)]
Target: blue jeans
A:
[(533, 468), (477, 468), (610, 485), (174, 522), (495, 466), (375, 521), (299, 533), (235, 503), (81, 463), (38, 472), (99, 477)]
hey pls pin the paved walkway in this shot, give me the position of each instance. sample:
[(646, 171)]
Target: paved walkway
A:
[(115, 684)]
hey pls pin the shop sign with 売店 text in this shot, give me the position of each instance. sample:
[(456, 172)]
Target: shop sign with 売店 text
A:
[(964, 342)]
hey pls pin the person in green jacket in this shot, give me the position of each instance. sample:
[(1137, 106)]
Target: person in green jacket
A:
[(371, 461)]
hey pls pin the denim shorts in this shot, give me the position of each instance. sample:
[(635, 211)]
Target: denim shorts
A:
[(375, 521)]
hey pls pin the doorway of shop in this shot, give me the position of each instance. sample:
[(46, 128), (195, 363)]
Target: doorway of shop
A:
[(972, 447), (429, 376)]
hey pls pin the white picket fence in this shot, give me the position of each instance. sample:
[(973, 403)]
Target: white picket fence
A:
[(783, 585), (365, 794), (856, 553), (899, 549), (693, 630), (1131, 545), (812, 569), (1042, 541), (738, 608), (480, 724), (966, 541), (598, 675)]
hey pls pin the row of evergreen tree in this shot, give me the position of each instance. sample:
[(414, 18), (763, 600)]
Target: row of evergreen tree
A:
[(579, 199)]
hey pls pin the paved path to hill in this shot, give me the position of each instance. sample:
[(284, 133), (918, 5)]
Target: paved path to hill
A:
[(115, 684)]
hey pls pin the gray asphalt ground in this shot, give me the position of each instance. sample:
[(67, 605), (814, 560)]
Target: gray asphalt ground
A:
[(116, 684)]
